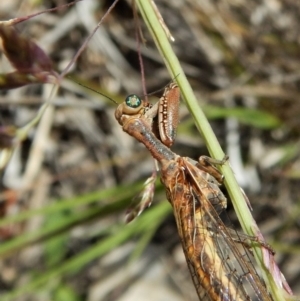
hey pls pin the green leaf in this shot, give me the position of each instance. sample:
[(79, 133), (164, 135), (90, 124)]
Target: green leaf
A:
[(121, 234), (252, 117), (65, 293), (55, 247)]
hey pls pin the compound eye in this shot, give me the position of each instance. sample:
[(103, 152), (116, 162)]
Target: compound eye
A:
[(133, 101)]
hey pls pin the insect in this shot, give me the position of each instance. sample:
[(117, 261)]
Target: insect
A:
[(218, 269)]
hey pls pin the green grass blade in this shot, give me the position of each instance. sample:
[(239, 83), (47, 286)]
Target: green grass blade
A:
[(244, 215), (120, 235)]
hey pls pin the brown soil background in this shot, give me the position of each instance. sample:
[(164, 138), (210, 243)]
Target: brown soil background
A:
[(236, 54)]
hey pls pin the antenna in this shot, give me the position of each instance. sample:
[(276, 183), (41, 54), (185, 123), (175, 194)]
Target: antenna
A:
[(80, 84), (164, 86)]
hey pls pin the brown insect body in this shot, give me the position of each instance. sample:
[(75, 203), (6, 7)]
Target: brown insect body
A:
[(196, 208), (197, 202)]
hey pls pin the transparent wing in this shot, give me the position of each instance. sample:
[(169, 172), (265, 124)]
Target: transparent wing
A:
[(220, 270), (235, 259)]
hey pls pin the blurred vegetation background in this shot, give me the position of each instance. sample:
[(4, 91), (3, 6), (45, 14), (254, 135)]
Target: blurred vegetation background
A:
[(66, 189)]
